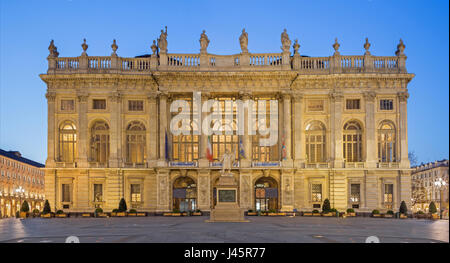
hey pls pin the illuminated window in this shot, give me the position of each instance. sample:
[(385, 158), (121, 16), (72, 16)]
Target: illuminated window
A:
[(262, 153), (386, 143), (388, 196), (135, 138), (98, 192), (316, 193), (315, 142), (100, 142), (135, 193), (67, 142), (352, 143), (185, 148), (65, 189), (221, 143), (355, 195)]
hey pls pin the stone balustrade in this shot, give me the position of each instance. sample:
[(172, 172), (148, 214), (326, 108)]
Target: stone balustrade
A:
[(237, 62)]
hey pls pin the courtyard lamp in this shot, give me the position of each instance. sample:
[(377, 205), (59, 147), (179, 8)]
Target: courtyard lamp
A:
[(440, 184), (19, 190)]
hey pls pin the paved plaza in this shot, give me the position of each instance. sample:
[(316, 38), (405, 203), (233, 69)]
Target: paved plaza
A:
[(194, 229)]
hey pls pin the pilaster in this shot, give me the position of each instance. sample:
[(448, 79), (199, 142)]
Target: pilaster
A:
[(51, 142), (82, 130), (371, 149), (404, 160)]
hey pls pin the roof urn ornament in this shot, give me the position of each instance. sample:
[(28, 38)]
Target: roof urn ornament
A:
[(114, 47), (53, 50), (154, 47), (243, 41), (285, 41), (204, 42), (162, 41), (367, 46), (400, 48), (85, 47), (336, 47), (296, 46)]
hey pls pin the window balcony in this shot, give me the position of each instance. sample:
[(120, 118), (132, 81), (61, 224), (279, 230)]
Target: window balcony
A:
[(354, 164), (136, 165), (388, 165), (317, 165), (98, 165), (65, 165)]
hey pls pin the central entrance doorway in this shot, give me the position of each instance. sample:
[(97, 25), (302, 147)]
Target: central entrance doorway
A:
[(184, 194), (266, 194)]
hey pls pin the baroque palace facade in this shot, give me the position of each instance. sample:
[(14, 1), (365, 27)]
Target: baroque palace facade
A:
[(342, 129)]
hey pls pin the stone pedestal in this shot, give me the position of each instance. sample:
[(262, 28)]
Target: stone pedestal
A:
[(227, 208)]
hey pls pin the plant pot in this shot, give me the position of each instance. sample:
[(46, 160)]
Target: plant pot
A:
[(351, 214), (252, 213), (402, 216), (63, 215), (388, 216), (49, 215), (176, 214), (23, 215), (86, 215), (328, 214), (121, 214), (281, 214), (307, 214), (197, 213), (376, 215), (141, 214), (316, 214), (102, 215), (434, 216), (132, 214), (167, 214), (272, 214)]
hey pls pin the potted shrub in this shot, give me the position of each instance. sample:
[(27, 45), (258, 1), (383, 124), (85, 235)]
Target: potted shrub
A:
[(272, 212), (420, 214), (326, 207), (250, 212), (376, 213), (35, 212), (132, 212), (122, 211), (46, 213), (141, 214), (316, 212), (307, 213), (403, 210), (24, 209), (197, 213), (99, 212), (60, 214), (389, 214), (433, 211), (176, 212), (351, 212), (114, 212)]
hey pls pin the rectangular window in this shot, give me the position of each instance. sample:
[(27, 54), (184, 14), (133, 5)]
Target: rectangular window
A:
[(386, 105), (135, 193), (99, 104), (355, 193), (353, 104), (98, 192), (67, 105), (316, 193), (388, 195), (135, 105), (65, 192)]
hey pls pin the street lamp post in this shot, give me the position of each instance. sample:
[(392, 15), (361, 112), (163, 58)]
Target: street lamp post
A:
[(440, 184), (20, 191)]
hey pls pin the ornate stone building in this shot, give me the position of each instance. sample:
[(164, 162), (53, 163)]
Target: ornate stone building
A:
[(426, 187), (342, 129), (20, 179)]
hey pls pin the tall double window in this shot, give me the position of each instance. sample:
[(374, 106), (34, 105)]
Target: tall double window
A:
[(136, 143), (315, 142), (223, 142), (262, 153), (185, 148), (352, 142), (100, 142), (386, 142), (388, 196), (67, 142)]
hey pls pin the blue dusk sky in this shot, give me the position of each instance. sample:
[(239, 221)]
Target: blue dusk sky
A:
[(26, 28)]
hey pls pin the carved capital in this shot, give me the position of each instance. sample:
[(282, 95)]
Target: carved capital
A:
[(336, 96), (370, 96), (82, 97), (403, 96), (245, 95), (115, 97), (51, 96), (152, 96), (298, 97), (163, 95)]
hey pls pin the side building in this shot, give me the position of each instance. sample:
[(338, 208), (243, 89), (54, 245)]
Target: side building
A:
[(430, 184), (341, 129), (20, 179)]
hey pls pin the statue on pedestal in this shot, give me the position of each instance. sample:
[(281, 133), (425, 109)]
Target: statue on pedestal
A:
[(162, 41), (227, 162), (285, 41), (243, 40), (204, 42)]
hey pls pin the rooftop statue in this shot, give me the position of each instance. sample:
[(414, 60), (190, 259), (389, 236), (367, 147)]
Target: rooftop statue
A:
[(243, 40), (162, 41), (53, 50), (285, 41), (204, 42)]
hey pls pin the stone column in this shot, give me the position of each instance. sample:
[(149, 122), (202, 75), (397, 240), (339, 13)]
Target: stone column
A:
[(336, 129), (371, 145), (162, 129), (287, 190), (299, 133), (51, 141), (287, 118), (82, 131), (402, 98), (152, 141), (162, 182), (247, 139), (203, 162), (204, 190), (115, 159)]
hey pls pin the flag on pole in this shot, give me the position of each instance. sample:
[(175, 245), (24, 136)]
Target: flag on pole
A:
[(283, 148), (241, 149), (209, 155), (166, 149)]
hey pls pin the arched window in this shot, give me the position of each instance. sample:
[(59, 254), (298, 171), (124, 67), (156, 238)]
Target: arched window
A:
[(99, 142), (386, 142), (352, 143), (67, 142), (315, 142), (135, 140)]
